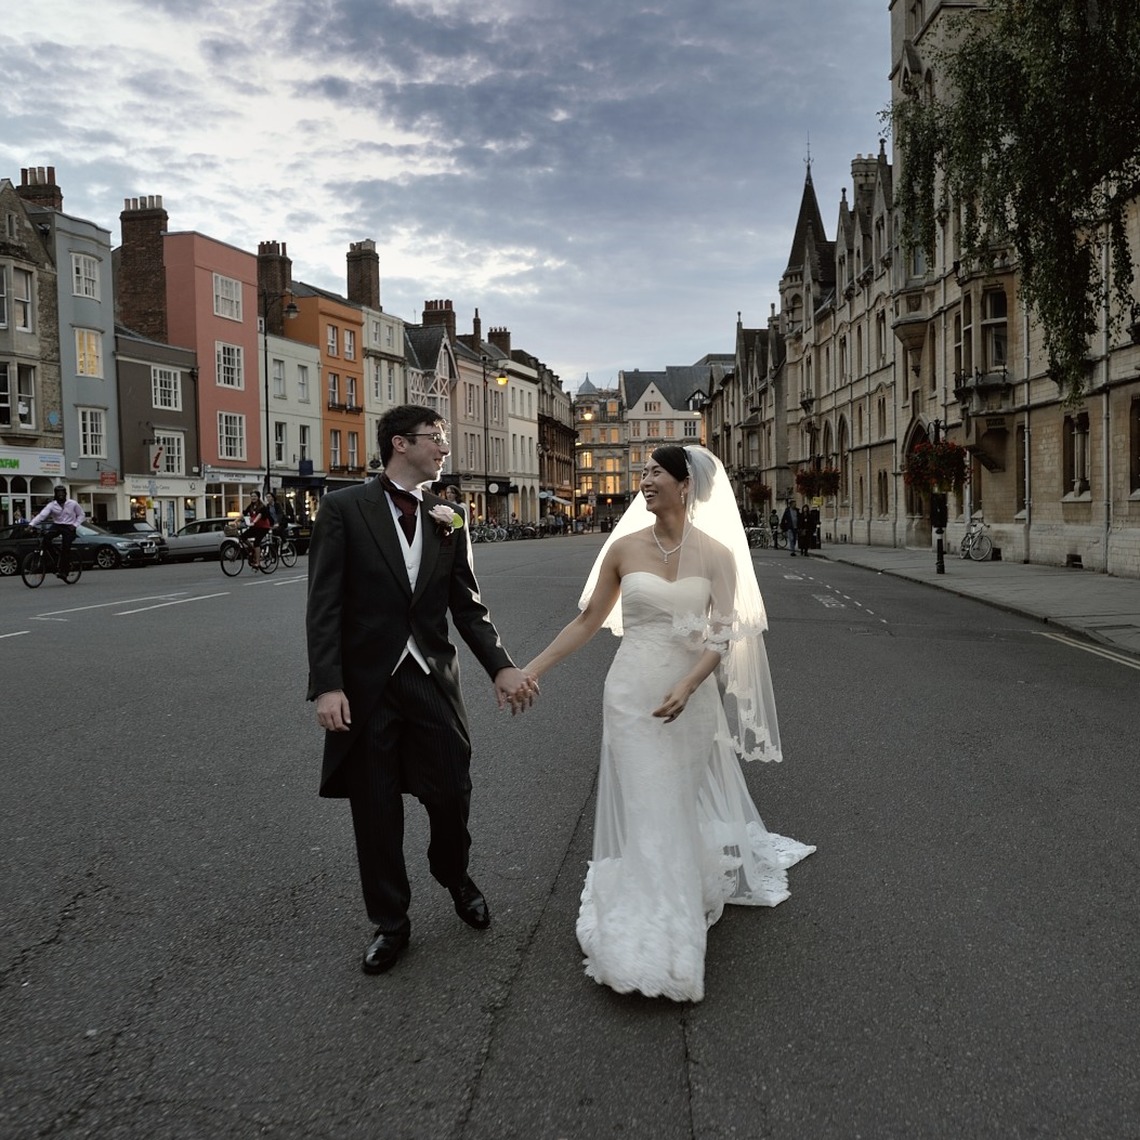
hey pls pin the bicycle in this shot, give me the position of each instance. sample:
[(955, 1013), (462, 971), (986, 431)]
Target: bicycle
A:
[(975, 543), (758, 536), (284, 548), (38, 564), (234, 553)]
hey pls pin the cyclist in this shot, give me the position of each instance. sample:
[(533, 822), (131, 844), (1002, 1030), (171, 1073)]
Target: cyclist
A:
[(260, 523), (65, 515)]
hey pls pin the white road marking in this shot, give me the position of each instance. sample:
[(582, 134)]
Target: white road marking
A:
[(830, 601), (179, 602), (106, 605), (18, 633), (1098, 650)]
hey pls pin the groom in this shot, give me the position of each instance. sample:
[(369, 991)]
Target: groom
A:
[(387, 563)]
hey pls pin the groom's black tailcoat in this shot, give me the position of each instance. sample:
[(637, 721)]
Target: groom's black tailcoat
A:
[(361, 611)]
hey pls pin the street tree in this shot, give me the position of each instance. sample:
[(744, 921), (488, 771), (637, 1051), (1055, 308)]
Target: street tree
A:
[(1032, 133)]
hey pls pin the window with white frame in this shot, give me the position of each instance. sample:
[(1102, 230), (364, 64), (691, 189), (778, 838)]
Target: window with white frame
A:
[(230, 365), (350, 344), (333, 340), (377, 381), (388, 335), (88, 352), (353, 449), (469, 400), (692, 429), (166, 388), (303, 383), (375, 332), (17, 395), (391, 383), (231, 435), (653, 405), (334, 389), (279, 379), (3, 296), (227, 297), (92, 433), (303, 441), (350, 391), (334, 447), (280, 441), (84, 276), (172, 457), (22, 299)]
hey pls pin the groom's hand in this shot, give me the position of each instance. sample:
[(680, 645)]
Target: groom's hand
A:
[(513, 687), (332, 711)]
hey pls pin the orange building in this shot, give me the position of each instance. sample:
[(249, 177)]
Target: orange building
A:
[(336, 327)]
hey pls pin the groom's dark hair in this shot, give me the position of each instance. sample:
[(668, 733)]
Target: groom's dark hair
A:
[(403, 420)]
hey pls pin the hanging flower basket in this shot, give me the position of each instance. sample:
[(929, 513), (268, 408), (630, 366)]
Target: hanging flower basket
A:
[(807, 483), (936, 466), (813, 483), (828, 481), (759, 492)]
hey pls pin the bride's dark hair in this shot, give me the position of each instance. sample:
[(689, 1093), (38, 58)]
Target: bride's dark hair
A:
[(673, 459)]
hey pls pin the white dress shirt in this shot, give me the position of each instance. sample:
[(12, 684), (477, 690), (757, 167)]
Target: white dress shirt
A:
[(413, 552)]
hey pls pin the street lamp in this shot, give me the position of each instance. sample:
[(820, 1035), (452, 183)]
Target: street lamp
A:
[(502, 380), (290, 312)]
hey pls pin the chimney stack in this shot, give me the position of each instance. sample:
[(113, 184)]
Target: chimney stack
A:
[(274, 277), (364, 273), (141, 276), (38, 187), (501, 339), (440, 313), (477, 333)]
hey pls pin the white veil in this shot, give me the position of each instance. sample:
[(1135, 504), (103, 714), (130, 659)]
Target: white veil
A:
[(716, 548)]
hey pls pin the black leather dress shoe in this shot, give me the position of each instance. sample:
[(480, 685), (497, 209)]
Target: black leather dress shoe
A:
[(471, 906), (381, 955)]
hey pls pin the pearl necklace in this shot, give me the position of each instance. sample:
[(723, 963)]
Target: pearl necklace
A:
[(665, 553)]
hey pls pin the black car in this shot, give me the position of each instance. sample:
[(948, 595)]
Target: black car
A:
[(140, 528), (92, 547), (15, 542)]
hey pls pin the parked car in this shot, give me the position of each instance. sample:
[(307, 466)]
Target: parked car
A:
[(15, 542), (143, 529), (107, 550), (198, 539), (93, 546)]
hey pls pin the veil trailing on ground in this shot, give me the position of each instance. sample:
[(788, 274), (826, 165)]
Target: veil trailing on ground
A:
[(716, 548)]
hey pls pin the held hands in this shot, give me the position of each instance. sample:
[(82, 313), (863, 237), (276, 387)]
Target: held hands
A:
[(515, 688)]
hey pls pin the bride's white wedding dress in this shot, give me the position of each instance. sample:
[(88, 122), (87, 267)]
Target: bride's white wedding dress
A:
[(676, 835)]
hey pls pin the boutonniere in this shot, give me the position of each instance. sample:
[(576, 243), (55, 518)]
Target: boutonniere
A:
[(446, 519)]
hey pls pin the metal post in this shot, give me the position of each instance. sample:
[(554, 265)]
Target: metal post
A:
[(265, 361)]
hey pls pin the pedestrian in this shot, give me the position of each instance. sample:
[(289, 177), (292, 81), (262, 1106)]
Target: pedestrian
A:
[(388, 565), (803, 530), (790, 524)]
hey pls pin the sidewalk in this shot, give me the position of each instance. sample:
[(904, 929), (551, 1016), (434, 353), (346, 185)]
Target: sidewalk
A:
[(1096, 606)]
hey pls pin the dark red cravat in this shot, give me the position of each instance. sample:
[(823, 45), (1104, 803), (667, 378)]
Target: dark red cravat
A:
[(408, 504)]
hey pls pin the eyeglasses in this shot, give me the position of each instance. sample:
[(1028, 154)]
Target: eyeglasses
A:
[(438, 438)]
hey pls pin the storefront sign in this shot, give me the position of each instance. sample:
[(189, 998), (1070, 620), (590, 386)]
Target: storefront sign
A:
[(30, 461)]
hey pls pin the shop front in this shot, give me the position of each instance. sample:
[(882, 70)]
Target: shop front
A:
[(27, 477), (168, 502)]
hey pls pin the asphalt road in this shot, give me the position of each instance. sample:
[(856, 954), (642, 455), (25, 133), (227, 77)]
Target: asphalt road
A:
[(180, 928)]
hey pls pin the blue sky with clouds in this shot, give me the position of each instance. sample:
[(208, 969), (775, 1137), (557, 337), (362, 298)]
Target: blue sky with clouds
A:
[(613, 181)]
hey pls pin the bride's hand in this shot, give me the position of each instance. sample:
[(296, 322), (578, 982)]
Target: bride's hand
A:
[(674, 703)]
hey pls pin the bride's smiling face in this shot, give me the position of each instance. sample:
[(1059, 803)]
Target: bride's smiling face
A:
[(660, 489)]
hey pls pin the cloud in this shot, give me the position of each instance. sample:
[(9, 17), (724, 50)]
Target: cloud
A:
[(612, 181)]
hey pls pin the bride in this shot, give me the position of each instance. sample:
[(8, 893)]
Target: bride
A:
[(676, 833)]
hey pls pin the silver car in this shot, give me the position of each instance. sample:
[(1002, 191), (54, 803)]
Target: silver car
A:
[(199, 539)]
